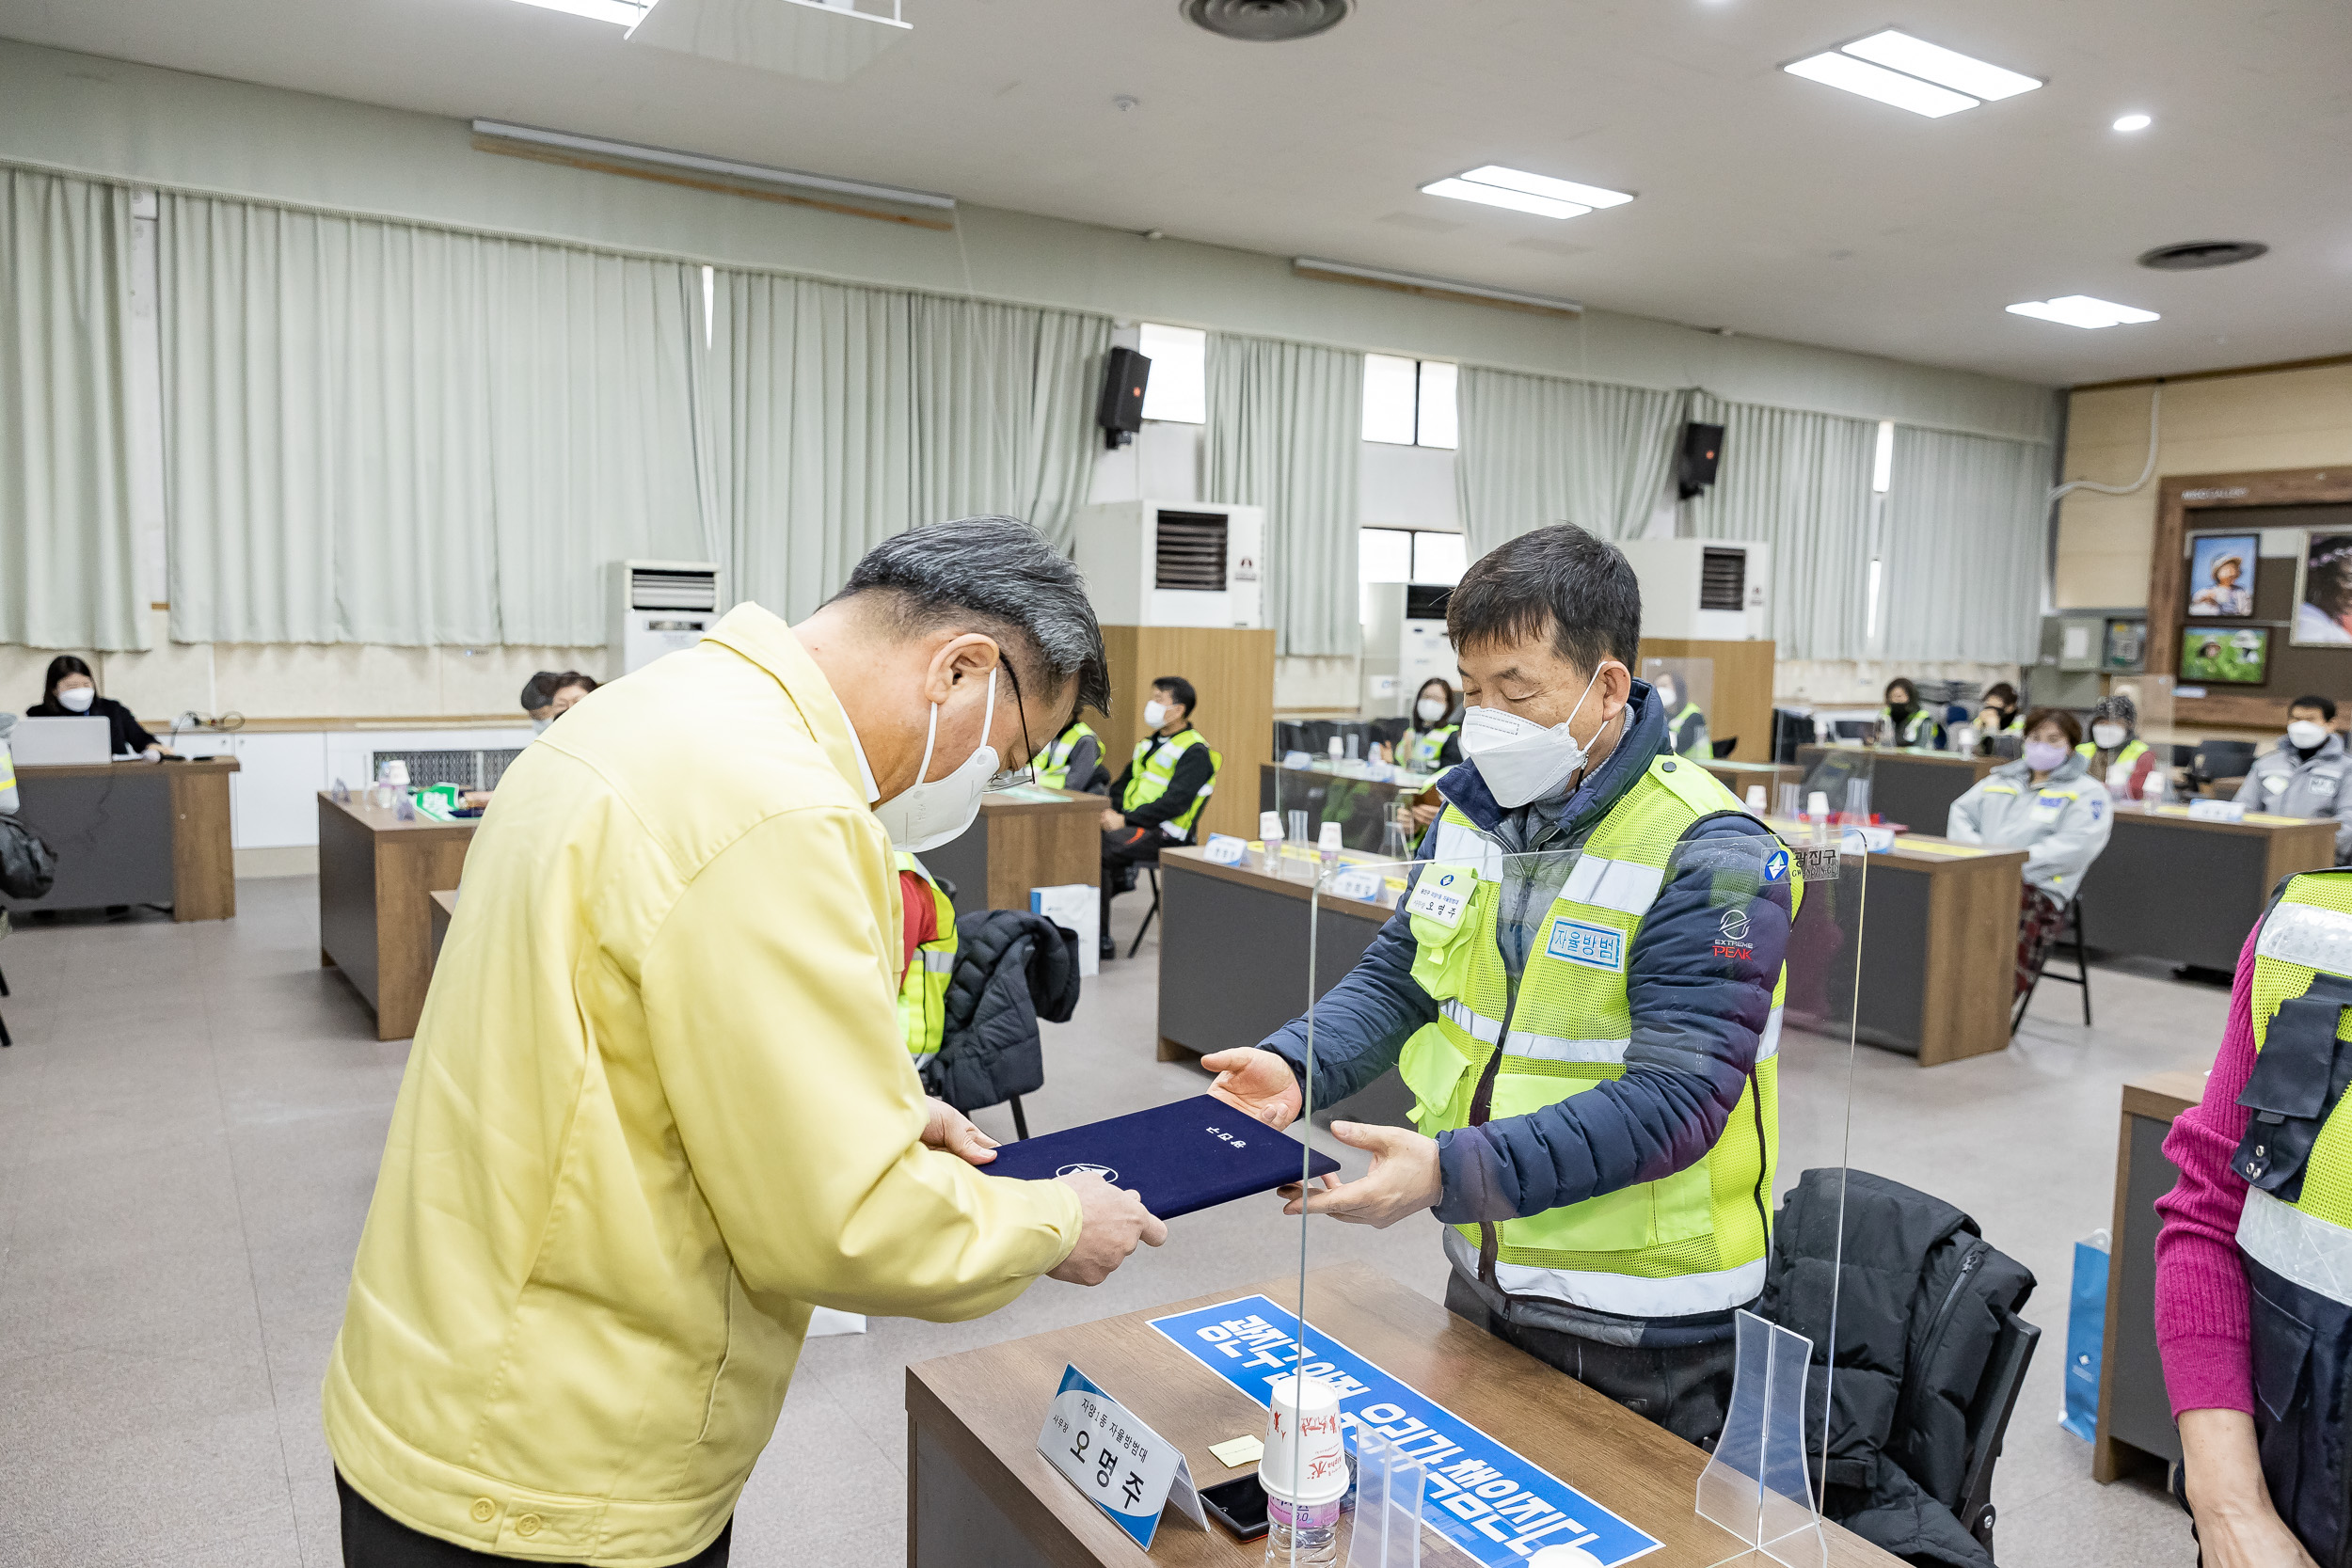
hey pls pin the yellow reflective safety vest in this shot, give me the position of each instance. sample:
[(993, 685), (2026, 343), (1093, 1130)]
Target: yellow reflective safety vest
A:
[(1054, 767), (2296, 1155), (1693, 1242), (923, 993), (2132, 750), (1918, 731), (1150, 780), (1424, 750), (1674, 730), (8, 776)]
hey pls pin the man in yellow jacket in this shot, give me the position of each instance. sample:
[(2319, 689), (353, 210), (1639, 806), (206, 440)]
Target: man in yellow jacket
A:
[(659, 1105)]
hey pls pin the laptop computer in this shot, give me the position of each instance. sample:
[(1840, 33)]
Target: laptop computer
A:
[(49, 742)]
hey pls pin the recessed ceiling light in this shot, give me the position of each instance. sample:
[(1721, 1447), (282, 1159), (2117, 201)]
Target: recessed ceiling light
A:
[(622, 13), (1496, 196), (1899, 51), (1887, 87), (2082, 310), (2134, 122), (1543, 185)]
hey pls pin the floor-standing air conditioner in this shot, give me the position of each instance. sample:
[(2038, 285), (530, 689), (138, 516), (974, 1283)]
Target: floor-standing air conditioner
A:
[(660, 607), (1174, 564), (1405, 645), (1702, 590)]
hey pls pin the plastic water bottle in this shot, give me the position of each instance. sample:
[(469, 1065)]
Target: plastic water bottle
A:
[(1304, 1534)]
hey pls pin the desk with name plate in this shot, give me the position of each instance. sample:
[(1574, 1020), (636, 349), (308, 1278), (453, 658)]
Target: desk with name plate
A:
[(1029, 838), (1909, 788), (2173, 887), (979, 1493), (1356, 795), (377, 873), (133, 832), (2134, 1415)]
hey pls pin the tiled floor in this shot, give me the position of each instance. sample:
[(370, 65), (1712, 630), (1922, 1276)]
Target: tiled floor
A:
[(190, 1123)]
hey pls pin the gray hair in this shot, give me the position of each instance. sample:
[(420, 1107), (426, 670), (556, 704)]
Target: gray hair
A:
[(998, 575)]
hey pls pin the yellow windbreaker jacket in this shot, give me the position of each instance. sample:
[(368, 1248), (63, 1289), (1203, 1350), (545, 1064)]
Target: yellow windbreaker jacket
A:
[(657, 1105)]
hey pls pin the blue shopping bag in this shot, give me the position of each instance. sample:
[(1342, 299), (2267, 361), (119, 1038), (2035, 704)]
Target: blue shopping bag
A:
[(2086, 1335)]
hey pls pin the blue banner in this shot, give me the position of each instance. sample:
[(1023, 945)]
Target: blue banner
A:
[(1483, 1497)]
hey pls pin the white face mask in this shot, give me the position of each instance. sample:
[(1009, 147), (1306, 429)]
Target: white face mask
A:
[(1155, 714), (2109, 736), (1429, 709), (2304, 733), (1519, 759), (77, 698), (927, 813)]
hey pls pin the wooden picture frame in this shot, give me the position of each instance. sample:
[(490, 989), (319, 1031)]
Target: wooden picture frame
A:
[(2177, 496)]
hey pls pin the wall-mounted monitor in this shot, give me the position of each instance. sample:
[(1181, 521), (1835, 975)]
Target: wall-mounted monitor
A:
[(2226, 656)]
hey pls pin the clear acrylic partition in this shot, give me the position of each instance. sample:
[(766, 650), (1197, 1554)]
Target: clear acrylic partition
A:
[(1688, 682), (1720, 902), (1369, 801)]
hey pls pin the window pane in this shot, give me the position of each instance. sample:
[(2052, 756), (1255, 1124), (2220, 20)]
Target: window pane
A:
[(1438, 558), (1387, 399), (1883, 471), (1385, 555), (1179, 388), (1438, 427)]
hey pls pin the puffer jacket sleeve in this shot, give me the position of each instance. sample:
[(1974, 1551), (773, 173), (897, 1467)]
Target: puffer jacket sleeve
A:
[(2341, 809), (2059, 857), (1700, 1004), (769, 997), (1965, 822)]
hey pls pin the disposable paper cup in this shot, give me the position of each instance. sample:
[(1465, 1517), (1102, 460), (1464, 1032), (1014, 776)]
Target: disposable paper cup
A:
[(1330, 839), (1306, 1454), (397, 773), (1756, 798), (1269, 825), (1817, 806)]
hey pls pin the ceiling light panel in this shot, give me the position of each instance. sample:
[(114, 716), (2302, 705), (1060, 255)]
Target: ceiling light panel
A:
[(2082, 310), (623, 14), (1498, 196), (1947, 68), (1543, 185), (1887, 87)]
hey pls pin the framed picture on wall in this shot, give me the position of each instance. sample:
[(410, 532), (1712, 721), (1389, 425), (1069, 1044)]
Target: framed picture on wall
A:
[(2226, 656), (2323, 592), (2222, 575)]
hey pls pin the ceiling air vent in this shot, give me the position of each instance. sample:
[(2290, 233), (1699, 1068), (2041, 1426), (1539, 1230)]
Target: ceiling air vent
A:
[(657, 590), (1189, 551), (1265, 21), (1724, 579), (2197, 254)]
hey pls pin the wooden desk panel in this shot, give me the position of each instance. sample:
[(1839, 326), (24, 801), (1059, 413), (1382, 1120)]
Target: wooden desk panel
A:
[(135, 832), (1913, 789), (377, 877), (978, 1492), (2171, 887), (1018, 845), (2134, 1413)]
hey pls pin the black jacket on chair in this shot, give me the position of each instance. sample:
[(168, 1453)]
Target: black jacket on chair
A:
[(1013, 968), (1918, 1318)]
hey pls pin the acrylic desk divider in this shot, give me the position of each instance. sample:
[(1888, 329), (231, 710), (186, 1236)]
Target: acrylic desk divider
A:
[(1772, 911)]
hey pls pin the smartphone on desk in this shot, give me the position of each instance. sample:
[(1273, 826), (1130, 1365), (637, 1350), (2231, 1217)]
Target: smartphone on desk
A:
[(1238, 1505)]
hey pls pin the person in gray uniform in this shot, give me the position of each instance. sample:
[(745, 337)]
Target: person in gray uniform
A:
[(2308, 773)]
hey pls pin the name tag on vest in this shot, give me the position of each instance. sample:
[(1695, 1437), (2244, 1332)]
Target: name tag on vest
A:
[(1443, 894), (1593, 947)]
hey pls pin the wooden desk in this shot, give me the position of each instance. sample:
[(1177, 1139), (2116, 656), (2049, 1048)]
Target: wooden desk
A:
[(376, 877), (1914, 789), (2169, 887), (442, 910), (1018, 845), (979, 1493), (2134, 1413), (1361, 806), (1738, 776), (133, 832)]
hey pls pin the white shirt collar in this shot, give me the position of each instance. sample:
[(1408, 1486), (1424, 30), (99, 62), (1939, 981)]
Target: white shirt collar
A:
[(865, 770)]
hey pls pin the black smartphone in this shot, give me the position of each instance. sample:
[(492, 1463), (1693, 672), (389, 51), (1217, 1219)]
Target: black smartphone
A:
[(1238, 1505)]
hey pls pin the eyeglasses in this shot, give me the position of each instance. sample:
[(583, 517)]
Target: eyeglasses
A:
[(1026, 773)]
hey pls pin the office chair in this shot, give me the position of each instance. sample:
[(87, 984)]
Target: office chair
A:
[(1723, 748), (4, 1040), (1988, 1420), (1151, 870), (2082, 968)]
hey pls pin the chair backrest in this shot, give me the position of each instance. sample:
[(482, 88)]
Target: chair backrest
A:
[(1988, 1419), (1854, 729), (1723, 747)]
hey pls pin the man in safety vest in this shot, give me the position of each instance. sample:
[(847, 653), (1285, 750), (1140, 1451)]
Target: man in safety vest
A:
[(1074, 761), (1156, 800), (1582, 992)]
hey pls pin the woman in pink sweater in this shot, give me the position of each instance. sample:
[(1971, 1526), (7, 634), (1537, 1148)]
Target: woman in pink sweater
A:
[(2203, 1317)]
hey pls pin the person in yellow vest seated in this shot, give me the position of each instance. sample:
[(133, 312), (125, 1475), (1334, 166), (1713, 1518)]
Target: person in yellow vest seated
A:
[(1998, 713), (2116, 755), (2047, 804), (1157, 798), (1685, 721), (1074, 761), (1903, 722), (929, 941), (661, 1105), (1551, 1182)]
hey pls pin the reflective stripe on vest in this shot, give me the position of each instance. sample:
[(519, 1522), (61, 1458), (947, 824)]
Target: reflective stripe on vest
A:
[(1427, 751), (1152, 778), (1053, 768), (923, 990), (1691, 1242), (1910, 736), (2132, 750)]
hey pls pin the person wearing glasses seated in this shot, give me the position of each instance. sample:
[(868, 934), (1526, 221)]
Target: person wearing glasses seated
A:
[(1157, 798), (68, 690)]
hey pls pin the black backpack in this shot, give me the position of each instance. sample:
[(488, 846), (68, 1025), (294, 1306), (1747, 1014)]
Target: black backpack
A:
[(28, 867)]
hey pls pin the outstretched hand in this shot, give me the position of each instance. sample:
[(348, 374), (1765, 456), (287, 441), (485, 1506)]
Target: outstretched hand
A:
[(1257, 1082), (1405, 1179), (951, 1130)]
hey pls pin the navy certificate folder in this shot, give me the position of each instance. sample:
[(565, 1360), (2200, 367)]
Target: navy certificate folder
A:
[(1190, 1155)]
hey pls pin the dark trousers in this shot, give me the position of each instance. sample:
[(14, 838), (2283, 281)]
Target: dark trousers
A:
[(374, 1539), (1123, 850), (1684, 1389)]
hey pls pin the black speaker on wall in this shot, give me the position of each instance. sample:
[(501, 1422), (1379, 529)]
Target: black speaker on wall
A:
[(1126, 373), (1694, 466)]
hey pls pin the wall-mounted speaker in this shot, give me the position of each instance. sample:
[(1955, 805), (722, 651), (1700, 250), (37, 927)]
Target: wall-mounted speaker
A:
[(1695, 466), (1126, 373)]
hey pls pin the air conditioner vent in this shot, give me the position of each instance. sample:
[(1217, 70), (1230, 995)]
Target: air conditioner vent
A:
[(1724, 579), (657, 590), (1189, 551)]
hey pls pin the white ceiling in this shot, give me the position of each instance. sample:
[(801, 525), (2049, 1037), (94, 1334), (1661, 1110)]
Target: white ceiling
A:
[(1768, 204)]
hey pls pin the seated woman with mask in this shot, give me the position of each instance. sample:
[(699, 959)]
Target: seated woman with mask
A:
[(71, 691), (2115, 754), (2046, 804)]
